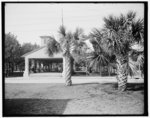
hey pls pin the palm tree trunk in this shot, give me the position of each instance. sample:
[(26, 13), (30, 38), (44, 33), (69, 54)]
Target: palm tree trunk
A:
[(122, 74), (67, 71)]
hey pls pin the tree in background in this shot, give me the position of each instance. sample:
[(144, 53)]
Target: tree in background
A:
[(12, 52), (27, 47)]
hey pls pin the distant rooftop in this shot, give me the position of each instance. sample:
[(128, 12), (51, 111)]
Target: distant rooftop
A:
[(45, 37), (44, 40)]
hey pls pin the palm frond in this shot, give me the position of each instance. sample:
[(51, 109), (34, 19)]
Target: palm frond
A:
[(53, 46), (122, 20), (132, 70), (96, 44), (98, 58), (65, 44), (117, 43), (140, 59), (131, 15), (96, 61), (107, 47), (78, 33), (96, 33), (114, 23), (62, 31), (78, 50), (93, 63), (138, 30)]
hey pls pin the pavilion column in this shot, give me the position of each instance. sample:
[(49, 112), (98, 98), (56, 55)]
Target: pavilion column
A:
[(37, 65), (32, 65), (41, 66), (26, 72)]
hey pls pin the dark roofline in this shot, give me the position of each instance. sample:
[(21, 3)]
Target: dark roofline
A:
[(45, 36), (32, 51)]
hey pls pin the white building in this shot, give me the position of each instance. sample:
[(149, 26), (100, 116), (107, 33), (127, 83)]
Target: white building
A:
[(38, 61)]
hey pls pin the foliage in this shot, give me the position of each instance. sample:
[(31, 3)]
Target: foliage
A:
[(66, 41), (122, 35), (101, 56), (69, 44), (27, 47), (12, 51), (53, 46), (138, 30), (12, 47), (117, 38), (79, 52)]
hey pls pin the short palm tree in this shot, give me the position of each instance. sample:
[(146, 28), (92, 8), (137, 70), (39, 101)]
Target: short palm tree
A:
[(100, 57), (122, 32), (66, 44)]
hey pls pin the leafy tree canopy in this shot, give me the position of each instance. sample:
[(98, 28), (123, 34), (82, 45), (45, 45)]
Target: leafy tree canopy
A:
[(27, 47), (12, 47)]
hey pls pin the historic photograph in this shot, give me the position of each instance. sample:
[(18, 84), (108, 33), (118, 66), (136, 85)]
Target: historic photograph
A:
[(74, 59)]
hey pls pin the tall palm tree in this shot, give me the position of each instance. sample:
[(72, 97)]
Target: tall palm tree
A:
[(122, 32), (66, 44)]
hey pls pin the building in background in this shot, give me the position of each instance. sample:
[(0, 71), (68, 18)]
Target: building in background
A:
[(38, 61)]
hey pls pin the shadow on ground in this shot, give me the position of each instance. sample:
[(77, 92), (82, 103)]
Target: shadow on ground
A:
[(19, 107), (131, 87), (57, 99), (78, 84), (135, 87), (114, 86)]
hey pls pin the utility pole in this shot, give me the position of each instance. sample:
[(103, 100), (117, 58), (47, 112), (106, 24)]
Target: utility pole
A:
[(62, 18)]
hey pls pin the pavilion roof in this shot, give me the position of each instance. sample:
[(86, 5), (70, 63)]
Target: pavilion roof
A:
[(28, 53)]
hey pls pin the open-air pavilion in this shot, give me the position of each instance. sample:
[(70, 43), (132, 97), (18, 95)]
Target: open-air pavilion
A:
[(38, 61)]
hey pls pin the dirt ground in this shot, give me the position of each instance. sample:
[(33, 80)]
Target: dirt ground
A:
[(94, 98)]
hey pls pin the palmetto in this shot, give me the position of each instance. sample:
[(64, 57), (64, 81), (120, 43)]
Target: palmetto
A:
[(121, 37), (100, 57), (66, 44), (122, 33)]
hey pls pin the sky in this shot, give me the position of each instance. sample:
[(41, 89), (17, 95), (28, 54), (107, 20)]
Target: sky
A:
[(30, 21)]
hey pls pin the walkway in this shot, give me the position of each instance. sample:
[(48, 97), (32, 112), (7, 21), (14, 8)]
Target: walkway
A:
[(75, 80)]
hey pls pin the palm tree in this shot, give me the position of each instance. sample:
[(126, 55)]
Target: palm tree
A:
[(100, 57), (122, 32), (66, 44)]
